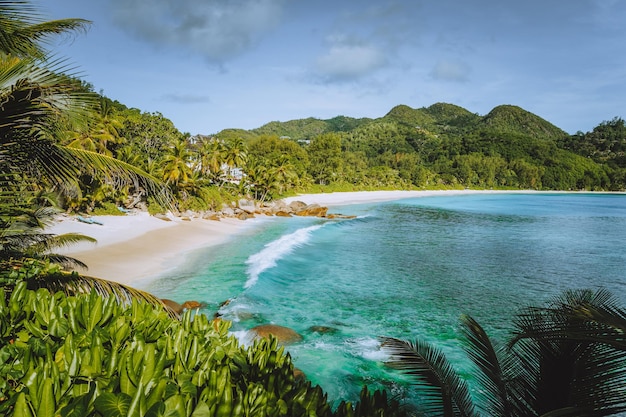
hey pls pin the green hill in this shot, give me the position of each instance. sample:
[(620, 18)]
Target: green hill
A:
[(450, 115), (310, 127), (411, 117), (514, 119)]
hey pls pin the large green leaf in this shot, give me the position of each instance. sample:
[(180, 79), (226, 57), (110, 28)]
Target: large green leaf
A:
[(113, 405)]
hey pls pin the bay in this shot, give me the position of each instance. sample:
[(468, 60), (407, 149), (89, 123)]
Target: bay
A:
[(407, 269)]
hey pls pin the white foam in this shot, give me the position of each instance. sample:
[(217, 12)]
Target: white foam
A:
[(370, 349), (244, 337), (276, 250)]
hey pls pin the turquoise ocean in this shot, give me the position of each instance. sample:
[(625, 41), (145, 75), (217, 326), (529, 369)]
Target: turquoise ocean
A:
[(407, 269)]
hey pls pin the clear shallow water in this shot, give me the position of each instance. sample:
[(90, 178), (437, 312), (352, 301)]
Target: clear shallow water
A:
[(406, 269)]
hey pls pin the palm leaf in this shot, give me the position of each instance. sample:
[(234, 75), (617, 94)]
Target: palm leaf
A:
[(443, 392), (22, 28), (119, 173), (573, 349), (32, 97), (494, 390), (73, 283)]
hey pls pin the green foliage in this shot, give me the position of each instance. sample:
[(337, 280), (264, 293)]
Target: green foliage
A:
[(412, 117), (90, 356), (107, 208), (155, 207), (513, 119), (448, 115), (325, 158), (564, 359)]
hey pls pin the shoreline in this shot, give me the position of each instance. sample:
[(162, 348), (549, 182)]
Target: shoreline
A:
[(137, 248)]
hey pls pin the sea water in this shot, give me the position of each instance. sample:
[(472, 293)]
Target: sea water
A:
[(406, 269)]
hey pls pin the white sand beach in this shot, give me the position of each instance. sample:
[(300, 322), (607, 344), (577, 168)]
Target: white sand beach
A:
[(358, 197), (138, 247)]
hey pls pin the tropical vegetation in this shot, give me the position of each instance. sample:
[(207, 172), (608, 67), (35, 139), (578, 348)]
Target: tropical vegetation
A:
[(565, 359), (76, 345), (88, 355)]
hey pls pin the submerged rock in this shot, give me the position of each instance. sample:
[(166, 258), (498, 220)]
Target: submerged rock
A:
[(323, 329), (339, 216), (282, 334)]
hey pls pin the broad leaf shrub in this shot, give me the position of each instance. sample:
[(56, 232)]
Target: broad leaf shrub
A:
[(90, 356)]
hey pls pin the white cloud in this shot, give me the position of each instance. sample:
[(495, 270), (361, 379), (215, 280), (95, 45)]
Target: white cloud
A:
[(216, 29), (348, 59), (446, 70)]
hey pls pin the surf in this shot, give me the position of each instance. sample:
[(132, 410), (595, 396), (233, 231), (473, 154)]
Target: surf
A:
[(276, 250)]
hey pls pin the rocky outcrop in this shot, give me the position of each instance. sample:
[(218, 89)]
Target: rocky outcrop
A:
[(180, 308), (297, 206), (298, 374), (189, 305), (313, 210), (284, 335), (247, 209), (248, 206)]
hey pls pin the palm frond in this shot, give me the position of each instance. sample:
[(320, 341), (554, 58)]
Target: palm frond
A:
[(22, 28), (480, 350), (573, 348), (119, 173), (581, 315), (74, 283), (444, 393)]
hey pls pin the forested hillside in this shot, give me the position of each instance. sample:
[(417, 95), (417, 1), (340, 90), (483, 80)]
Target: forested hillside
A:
[(444, 145), (440, 146)]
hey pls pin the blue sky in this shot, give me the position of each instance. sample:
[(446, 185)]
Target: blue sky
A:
[(213, 64)]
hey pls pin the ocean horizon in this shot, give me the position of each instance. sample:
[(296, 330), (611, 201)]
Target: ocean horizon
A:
[(407, 269)]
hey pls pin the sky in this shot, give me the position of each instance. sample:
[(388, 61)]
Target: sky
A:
[(208, 65)]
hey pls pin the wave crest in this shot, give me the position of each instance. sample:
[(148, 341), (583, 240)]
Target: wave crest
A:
[(276, 250)]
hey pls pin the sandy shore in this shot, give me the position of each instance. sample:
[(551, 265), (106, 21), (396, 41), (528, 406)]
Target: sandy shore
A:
[(139, 247), (135, 248), (358, 197)]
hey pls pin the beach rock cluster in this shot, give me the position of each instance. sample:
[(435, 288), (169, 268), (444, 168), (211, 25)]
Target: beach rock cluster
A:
[(180, 308), (246, 209)]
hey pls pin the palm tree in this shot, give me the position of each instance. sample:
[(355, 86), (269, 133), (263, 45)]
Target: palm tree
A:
[(285, 173), (565, 359), (443, 392), (176, 167), (235, 154), (212, 156), (101, 132), (574, 352), (36, 93), (39, 96), (260, 179), (22, 236)]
